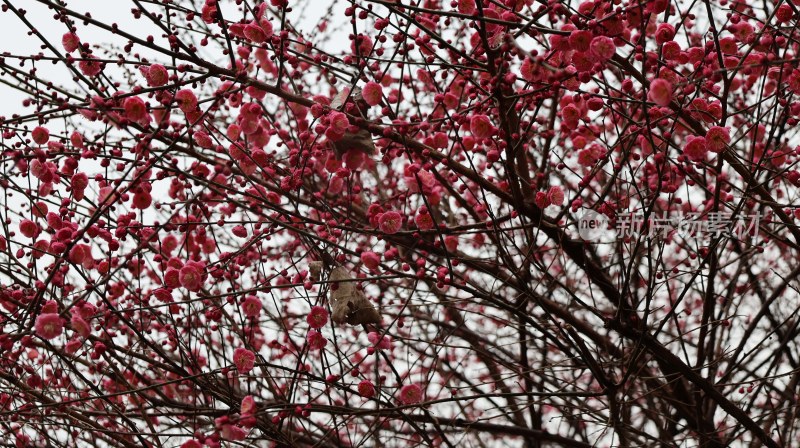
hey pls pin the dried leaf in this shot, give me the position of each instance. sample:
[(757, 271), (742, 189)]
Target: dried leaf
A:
[(314, 269), (355, 97), (348, 303), (361, 140), (338, 101)]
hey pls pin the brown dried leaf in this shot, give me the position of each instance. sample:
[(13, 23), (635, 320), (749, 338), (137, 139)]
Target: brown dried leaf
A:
[(338, 101), (348, 303), (361, 140), (314, 269)]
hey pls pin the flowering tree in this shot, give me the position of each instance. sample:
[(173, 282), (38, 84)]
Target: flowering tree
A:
[(401, 223)]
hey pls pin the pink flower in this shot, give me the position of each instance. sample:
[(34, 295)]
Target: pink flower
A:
[(107, 195), (142, 200), (664, 33), (595, 104), (240, 231), (316, 341), (587, 157), (192, 444), (556, 195), (743, 31), (580, 40), (381, 342), (79, 181), (233, 432), (70, 42), (255, 33), (172, 278), (390, 222), (424, 221), (203, 139), (251, 306), (90, 66), (372, 93), (80, 326), (209, 12), (163, 295), (248, 406), (695, 148), (571, 116), (410, 394), (366, 389), (784, 13), (371, 260), (354, 159), (157, 75), (186, 99), (76, 138), (451, 243), (480, 126), (529, 70), (602, 48), (191, 277), (49, 307), (73, 345), (660, 92), (49, 325), (135, 108), (40, 135), (541, 199), (318, 317), (717, 138), (29, 228), (81, 254), (467, 6), (266, 25), (339, 122), (336, 185), (244, 360), (361, 45)]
